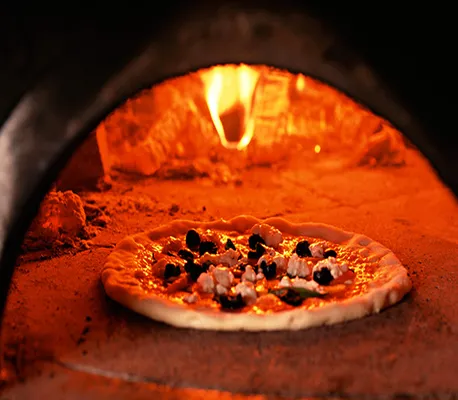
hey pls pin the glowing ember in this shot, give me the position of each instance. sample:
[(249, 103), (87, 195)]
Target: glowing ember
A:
[(230, 93), (300, 83)]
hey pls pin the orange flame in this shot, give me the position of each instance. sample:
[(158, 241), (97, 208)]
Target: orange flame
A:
[(230, 92)]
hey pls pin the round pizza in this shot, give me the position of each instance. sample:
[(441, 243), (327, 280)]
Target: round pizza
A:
[(247, 274)]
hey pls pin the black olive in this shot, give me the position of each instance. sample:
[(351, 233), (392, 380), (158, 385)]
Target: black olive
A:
[(230, 245), (323, 276), (206, 265), (260, 250), (264, 267), (242, 266), (188, 266), (192, 239), (231, 302), (207, 247), (185, 255), (291, 297), (290, 276), (194, 270), (329, 253), (171, 270), (302, 249), (269, 270), (254, 239)]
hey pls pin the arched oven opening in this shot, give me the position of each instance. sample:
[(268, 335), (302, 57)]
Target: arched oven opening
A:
[(222, 140)]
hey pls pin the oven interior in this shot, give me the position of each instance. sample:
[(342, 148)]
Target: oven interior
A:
[(216, 143)]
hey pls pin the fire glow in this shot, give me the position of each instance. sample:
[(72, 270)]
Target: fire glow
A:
[(264, 114), (230, 93)]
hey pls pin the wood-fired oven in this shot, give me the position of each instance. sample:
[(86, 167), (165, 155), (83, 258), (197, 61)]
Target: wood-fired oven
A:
[(211, 111)]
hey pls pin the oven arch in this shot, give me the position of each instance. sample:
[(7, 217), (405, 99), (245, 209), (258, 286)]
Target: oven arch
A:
[(66, 105)]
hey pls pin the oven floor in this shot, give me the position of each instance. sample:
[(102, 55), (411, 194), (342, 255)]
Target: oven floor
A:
[(62, 332)]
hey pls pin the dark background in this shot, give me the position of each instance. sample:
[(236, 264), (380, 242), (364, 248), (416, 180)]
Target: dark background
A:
[(412, 46)]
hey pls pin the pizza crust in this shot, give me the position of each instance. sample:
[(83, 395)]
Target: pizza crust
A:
[(122, 286)]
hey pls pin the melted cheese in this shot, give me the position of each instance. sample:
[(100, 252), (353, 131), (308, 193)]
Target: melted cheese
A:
[(221, 280)]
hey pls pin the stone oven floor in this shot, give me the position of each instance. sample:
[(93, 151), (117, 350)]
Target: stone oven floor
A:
[(66, 339)]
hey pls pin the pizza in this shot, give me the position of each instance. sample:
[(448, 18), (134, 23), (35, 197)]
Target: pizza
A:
[(253, 275)]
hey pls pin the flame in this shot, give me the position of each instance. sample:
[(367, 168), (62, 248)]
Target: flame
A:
[(317, 148), (230, 92)]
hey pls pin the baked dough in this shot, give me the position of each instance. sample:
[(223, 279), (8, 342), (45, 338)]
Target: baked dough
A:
[(121, 279)]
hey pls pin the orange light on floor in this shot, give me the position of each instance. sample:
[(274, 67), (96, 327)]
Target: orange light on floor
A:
[(317, 148), (230, 93)]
